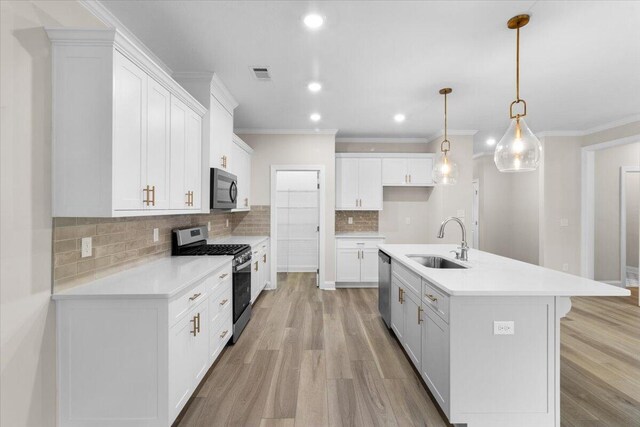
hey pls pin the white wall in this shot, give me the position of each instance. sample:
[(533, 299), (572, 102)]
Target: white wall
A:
[(28, 383), (508, 211), (607, 165), (633, 215), (293, 150)]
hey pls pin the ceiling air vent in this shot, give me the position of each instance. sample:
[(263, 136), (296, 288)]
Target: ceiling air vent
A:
[(261, 73)]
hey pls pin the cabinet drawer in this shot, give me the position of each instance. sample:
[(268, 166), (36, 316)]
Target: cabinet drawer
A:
[(188, 299), (436, 300), (216, 280), (221, 335), (219, 302), (407, 277), (358, 243)]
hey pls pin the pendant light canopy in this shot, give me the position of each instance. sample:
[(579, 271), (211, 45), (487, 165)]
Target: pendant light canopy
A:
[(445, 171), (519, 150)]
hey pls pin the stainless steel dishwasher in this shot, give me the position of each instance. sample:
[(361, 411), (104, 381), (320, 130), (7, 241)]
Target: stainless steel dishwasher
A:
[(384, 287)]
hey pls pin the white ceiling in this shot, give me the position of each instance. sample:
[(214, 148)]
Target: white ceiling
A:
[(580, 61)]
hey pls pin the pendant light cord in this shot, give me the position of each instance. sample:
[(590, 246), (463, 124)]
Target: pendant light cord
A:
[(445, 140), (517, 64)]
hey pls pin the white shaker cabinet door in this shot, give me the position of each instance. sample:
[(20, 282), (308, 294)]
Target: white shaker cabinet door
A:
[(221, 135), (178, 135), (419, 171), (242, 169), (394, 171), (182, 345), (347, 183), (397, 308), (369, 265), (158, 150), (348, 265), (129, 134), (192, 157), (413, 316), (435, 357), (370, 184)]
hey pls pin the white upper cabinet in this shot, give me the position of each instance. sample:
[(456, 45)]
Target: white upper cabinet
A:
[(407, 171), (221, 135), (112, 135), (186, 151), (358, 183), (241, 155)]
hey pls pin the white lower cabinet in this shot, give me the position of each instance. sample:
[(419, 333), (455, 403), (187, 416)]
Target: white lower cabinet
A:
[(357, 259), (434, 367), (421, 324), (260, 260), (136, 361)]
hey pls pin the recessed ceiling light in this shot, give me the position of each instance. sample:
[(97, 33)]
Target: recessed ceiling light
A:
[(313, 21), (491, 142), (314, 87), (399, 118), (315, 117)]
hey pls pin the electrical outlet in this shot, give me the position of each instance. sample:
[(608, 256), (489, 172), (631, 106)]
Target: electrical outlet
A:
[(564, 222), (86, 247), (565, 267), (407, 220), (503, 327), (350, 220), (156, 235), (209, 226), (227, 223)]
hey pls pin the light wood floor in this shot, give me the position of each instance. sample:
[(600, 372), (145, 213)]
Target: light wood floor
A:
[(313, 358)]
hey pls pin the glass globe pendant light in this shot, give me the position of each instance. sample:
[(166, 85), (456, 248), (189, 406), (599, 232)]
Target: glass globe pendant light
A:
[(445, 171), (519, 150)]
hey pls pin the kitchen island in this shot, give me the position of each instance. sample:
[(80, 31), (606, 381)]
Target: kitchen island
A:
[(485, 335)]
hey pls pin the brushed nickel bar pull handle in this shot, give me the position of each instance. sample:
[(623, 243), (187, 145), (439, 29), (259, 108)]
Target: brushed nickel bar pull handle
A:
[(401, 296), (406, 179), (198, 327), (256, 265), (224, 334), (246, 202), (194, 332), (146, 199), (224, 301), (195, 296), (223, 276), (431, 297), (153, 192), (264, 258), (419, 317)]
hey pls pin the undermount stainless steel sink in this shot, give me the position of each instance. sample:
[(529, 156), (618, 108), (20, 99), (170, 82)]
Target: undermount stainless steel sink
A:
[(432, 261)]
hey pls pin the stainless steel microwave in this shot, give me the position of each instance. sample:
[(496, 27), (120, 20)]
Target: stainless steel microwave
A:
[(224, 189)]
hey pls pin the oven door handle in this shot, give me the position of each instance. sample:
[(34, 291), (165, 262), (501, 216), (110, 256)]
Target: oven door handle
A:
[(240, 267)]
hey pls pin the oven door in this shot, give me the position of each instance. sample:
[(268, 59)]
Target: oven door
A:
[(224, 189), (241, 289)]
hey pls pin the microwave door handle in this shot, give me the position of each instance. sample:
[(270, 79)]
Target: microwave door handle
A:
[(233, 191)]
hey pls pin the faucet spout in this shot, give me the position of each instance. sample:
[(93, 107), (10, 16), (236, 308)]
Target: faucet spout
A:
[(463, 247)]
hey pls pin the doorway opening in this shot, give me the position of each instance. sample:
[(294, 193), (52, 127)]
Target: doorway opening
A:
[(297, 223), (629, 219), (475, 215)]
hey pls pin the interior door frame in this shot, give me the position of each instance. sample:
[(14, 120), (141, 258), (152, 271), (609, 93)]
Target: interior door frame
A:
[(623, 221), (587, 219), (274, 220), (475, 214)]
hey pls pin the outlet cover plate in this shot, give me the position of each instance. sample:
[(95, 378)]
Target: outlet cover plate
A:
[(503, 327), (156, 235), (86, 247)]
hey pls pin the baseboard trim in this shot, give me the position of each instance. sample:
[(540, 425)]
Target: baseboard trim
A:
[(329, 286)]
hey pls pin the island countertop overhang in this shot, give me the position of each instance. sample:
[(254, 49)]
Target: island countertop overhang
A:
[(493, 275)]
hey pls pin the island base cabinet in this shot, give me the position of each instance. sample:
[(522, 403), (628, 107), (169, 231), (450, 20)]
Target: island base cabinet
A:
[(434, 367), (397, 309), (413, 318)]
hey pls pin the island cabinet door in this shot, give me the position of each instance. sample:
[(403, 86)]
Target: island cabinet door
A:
[(397, 308), (413, 317), (435, 357)]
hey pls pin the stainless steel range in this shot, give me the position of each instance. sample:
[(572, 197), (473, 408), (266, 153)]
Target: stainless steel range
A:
[(193, 242)]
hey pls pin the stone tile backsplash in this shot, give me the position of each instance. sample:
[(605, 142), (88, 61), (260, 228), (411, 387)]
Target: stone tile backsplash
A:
[(363, 221), (121, 243)]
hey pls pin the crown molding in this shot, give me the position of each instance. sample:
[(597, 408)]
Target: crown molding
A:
[(211, 82), (600, 128), (240, 143), (376, 140), (285, 131), (105, 16)]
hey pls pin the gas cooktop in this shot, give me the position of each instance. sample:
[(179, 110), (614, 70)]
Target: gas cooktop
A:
[(213, 249)]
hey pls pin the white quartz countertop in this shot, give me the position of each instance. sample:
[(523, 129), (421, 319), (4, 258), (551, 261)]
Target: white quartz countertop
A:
[(360, 235), (242, 240), (158, 279), (493, 275)]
